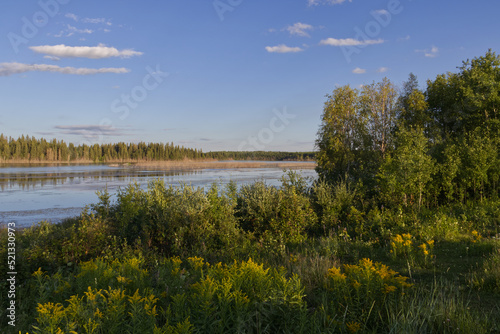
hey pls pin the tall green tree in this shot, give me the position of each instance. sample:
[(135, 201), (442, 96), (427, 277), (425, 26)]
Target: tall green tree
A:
[(341, 137), (378, 107), (413, 107), (480, 90), (461, 102)]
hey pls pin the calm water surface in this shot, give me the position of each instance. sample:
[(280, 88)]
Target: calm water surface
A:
[(29, 194)]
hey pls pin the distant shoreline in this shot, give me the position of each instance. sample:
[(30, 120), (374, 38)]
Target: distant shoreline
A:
[(226, 164), (176, 164)]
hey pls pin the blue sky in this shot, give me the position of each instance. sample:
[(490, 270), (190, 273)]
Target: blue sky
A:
[(217, 75)]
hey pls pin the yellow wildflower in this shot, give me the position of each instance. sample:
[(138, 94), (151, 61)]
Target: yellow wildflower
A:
[(367, 263), (388, 289), (196, 262), (336, 274), (353, 327), (98, 313), (122, 279)]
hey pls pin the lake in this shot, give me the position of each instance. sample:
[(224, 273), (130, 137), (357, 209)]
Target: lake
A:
[(32, 193)]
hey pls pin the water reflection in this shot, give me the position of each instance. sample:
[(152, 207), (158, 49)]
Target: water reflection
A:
[(31, 181), (34, 193)]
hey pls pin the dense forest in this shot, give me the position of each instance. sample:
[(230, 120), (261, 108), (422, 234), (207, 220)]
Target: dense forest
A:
[(416, 147), (30, 149), (400, 233)]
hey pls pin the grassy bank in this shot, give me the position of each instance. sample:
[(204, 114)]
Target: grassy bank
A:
[(258, 259)]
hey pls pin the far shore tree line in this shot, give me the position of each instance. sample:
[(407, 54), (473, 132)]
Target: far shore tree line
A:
[(31, 149)]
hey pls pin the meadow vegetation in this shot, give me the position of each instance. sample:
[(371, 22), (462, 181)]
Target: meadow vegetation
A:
[(399, 234), (258, 259)]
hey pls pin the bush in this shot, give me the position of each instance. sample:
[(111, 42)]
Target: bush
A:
[(275, 216), (176, 221)]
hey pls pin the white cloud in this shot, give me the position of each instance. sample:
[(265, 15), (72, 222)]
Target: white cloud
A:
[(299, 29), (381, 12), (382, 69), (349, 42), (282, 49), (100, 20), (432, 53), (7, 69), (403, 39), (325, 2), (358, 70), (96, 21), (54, 58), (93, 52), (73, 30), (72, 16)]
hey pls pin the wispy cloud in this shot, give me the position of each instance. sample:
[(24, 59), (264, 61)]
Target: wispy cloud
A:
[(325, 2), (349, 42), (91, 130), (54, 58), (99, 20), (358, 70), (404, 39), (433, 53), (72, 16), (282, 48), (382, 69), (73, 30), (299, 29), (430, 53), (381, 12), (7, 69), (93, 52)]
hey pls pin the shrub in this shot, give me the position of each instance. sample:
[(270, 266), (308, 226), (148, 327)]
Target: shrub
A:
[(275, 216), (176, 220)]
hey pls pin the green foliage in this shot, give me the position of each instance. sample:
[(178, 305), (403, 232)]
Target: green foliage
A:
[(469, 99), (361, 292), (437, 308), (488, 276), (385, 141), (175, 220), (478, 155), (405, 175), (83, 275), (341, 137), (412, 105), (334, 203), (219, 298), (378, 108), (49, 246), (276, 217)]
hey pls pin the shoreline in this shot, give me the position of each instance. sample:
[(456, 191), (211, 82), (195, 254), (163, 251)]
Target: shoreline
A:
[(224, 164), (175, 164)]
